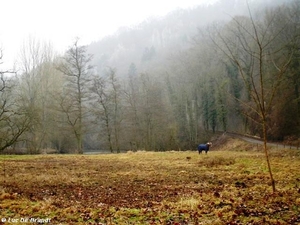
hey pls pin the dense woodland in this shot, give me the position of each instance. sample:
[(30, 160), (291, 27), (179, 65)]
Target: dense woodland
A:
[(164, 84)]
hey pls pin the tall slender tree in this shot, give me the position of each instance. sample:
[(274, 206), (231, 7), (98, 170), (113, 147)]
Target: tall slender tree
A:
[(249, 44), (116, 100), (34, 87), (76, 67), (101, 107)]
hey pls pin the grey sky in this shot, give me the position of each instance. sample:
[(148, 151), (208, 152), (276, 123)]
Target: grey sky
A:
[(60, 21)]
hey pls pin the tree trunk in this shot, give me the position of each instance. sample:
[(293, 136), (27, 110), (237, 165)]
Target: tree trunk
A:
[(267, 154)]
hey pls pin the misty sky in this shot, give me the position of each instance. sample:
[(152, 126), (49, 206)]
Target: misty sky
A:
[(61, 21)]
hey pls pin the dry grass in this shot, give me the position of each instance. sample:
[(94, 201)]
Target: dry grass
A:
[(222, 187)]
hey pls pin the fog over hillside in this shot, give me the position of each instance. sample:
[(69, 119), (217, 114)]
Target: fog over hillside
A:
[(153, 41)]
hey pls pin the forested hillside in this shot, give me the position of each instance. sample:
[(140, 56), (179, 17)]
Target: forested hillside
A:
[(167, 83)]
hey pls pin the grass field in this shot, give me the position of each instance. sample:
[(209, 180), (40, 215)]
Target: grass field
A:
[(222, 187)]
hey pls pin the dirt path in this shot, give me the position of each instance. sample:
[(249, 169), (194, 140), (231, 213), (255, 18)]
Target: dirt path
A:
[(254, 140)]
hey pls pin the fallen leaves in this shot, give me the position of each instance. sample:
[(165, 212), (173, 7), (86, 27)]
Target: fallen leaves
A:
[(162, 188)]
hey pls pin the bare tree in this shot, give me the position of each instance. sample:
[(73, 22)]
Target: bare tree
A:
[(116, 100), (106, 106), (31, 57), (101, 107), (76, 67), (132, 112), (36, 82), (13, 118), (153, 113), (250, 45)]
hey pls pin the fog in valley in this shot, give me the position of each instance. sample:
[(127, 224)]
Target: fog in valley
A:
[(166, 83)]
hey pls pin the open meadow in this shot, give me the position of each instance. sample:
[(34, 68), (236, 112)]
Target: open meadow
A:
[(226, 186)]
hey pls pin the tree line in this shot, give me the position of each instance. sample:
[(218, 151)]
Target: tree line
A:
[(241, 76)]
